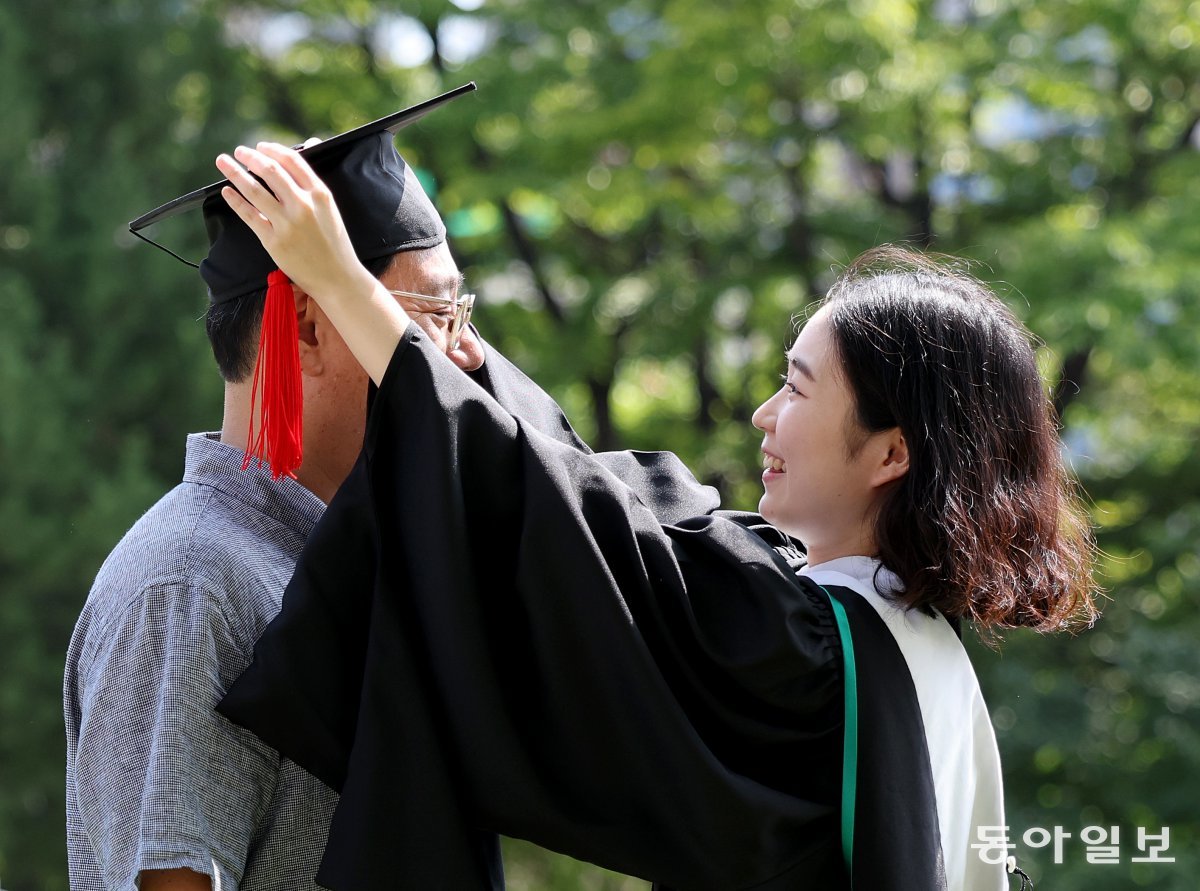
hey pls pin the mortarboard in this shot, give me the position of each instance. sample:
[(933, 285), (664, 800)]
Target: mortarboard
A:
[(385, 211)]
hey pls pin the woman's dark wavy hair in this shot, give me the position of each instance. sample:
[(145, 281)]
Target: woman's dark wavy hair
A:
[(986, 524)]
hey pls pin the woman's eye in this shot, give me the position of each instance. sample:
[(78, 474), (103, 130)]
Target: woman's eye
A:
[(789, 386)]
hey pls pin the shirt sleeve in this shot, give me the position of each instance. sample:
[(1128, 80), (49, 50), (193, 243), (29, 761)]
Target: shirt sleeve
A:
[(163, 780)]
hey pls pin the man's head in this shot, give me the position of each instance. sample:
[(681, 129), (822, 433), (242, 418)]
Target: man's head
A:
[(396, 233), (399, 237), (334, 384)]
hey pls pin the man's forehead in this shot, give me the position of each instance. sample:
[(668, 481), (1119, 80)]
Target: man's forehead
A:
[(448, 286), (431, 271)]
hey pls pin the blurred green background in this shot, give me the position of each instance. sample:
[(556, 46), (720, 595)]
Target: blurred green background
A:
[(642, 193)]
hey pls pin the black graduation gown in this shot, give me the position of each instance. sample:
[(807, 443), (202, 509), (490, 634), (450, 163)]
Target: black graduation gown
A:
[(493, 630)]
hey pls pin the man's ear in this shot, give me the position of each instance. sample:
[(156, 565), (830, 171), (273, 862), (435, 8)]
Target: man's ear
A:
[(306, 324), (892, 452)]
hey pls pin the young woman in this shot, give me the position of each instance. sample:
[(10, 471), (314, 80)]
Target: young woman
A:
[(537, 647)]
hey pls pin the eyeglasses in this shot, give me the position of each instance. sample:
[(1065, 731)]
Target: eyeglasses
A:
[(462, 304)]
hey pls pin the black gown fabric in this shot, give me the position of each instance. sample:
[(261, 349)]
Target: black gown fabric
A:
[(494, 630)]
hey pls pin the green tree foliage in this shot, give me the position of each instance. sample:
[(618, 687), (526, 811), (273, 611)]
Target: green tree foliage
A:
[(644, 193), (102, 368)]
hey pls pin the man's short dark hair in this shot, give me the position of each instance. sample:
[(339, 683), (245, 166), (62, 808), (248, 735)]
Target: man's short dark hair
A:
[(233, 327)]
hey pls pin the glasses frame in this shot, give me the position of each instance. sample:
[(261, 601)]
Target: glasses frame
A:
[(462, 304)]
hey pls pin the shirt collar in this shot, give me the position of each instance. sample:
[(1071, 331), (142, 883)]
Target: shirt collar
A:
[(211, 462)]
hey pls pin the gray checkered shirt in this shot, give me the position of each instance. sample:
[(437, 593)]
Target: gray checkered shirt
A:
[(157, 779)]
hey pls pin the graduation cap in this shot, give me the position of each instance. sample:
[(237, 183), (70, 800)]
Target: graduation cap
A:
[(385, 211)]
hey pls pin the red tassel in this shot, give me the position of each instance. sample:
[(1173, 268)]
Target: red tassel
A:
[(276, 390)]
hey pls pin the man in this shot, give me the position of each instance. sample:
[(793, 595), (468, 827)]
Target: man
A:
[(161, 790)]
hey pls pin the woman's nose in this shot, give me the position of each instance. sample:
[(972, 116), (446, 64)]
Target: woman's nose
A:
[(764, 416)]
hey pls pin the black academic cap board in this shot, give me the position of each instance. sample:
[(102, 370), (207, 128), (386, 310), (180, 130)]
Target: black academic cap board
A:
[(381, 202)]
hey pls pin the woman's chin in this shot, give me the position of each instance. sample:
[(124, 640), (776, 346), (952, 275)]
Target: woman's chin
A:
[(764, 508)]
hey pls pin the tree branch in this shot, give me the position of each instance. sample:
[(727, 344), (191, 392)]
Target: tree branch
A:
[(431, 27), (1070, 384), (706, 390), (528, 253), (283, 107)]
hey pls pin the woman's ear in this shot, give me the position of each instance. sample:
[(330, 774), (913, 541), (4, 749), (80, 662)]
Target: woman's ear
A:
[(892, 452)]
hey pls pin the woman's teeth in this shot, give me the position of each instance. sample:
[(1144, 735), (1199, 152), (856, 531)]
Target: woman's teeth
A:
[(772, 463)]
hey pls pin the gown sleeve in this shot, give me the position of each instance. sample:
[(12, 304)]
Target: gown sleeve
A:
[(536, 652)]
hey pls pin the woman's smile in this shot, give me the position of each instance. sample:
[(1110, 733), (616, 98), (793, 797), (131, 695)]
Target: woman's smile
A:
[(773, 466)]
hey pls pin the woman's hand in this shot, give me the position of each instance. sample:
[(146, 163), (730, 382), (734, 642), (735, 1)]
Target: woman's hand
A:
[(299, 225), (302, 230)]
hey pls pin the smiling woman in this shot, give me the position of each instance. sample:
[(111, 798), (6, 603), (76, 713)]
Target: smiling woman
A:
[(601, 662), (912, 449)]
